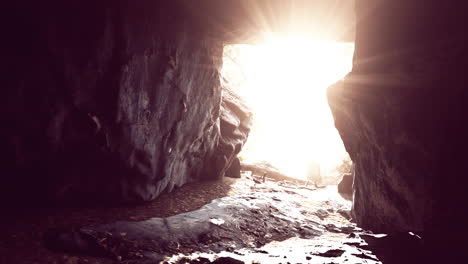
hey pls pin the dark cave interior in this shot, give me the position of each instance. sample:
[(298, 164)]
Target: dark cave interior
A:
[(114, 104)]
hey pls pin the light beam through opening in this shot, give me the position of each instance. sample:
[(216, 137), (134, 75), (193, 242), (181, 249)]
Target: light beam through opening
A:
[(284, 81)]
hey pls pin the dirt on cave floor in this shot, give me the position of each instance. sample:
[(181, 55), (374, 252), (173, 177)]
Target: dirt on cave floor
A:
[(23, 229), (307, 225)]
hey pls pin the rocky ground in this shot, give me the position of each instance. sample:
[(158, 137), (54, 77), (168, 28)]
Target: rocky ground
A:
[(23, 229), (227, 221)]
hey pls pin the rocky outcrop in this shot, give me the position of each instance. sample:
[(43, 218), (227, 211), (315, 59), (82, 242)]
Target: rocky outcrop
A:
[(112, 101), (400, 113), (235, 123), (345, 186)]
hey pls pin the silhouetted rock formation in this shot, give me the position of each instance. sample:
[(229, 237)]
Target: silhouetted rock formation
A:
[(345, 186), (401, 114)]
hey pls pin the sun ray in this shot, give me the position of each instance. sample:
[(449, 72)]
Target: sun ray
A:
[(285, 82)]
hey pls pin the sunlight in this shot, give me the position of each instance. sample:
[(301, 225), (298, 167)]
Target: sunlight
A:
[(284, 80)]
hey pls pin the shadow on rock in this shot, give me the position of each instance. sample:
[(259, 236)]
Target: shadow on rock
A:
[(397, 248)]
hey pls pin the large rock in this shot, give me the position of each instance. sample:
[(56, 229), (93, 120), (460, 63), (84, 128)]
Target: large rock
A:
[(401, 113), (235, 123), (345, 186), (111, 100)]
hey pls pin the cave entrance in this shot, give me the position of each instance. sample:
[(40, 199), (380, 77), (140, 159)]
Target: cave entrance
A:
[(284, 80)]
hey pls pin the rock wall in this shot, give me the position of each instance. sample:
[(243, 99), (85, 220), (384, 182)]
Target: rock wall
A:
[(401, 113), (235, 123), (108, 101)]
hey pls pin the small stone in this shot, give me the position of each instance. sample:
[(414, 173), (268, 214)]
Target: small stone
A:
[(332, 253), (227, 260)]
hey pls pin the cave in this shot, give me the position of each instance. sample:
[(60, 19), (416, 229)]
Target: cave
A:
[(118, 108)]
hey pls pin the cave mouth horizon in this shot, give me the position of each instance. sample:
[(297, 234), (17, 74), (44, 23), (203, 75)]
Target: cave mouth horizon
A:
[(284, 79)]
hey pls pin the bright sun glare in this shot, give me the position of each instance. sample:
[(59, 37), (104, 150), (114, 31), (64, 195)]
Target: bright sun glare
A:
[(284, 81)]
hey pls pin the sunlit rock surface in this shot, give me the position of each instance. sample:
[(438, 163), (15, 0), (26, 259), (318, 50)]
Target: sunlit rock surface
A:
[(401, 114)]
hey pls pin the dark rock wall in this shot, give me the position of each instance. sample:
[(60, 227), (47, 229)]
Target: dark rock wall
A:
[(401, 113), (107, 101)]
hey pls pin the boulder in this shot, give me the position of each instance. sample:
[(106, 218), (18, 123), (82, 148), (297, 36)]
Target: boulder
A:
[(235, 121), (345, 186)]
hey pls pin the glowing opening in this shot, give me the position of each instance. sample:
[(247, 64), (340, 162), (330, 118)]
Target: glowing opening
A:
[(284, 81)]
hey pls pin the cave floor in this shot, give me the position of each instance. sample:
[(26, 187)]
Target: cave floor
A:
[(271, 222), (22, 229)]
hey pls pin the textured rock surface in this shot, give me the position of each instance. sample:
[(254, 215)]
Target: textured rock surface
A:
[(235, 123), (401, 114), (110, 100)]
